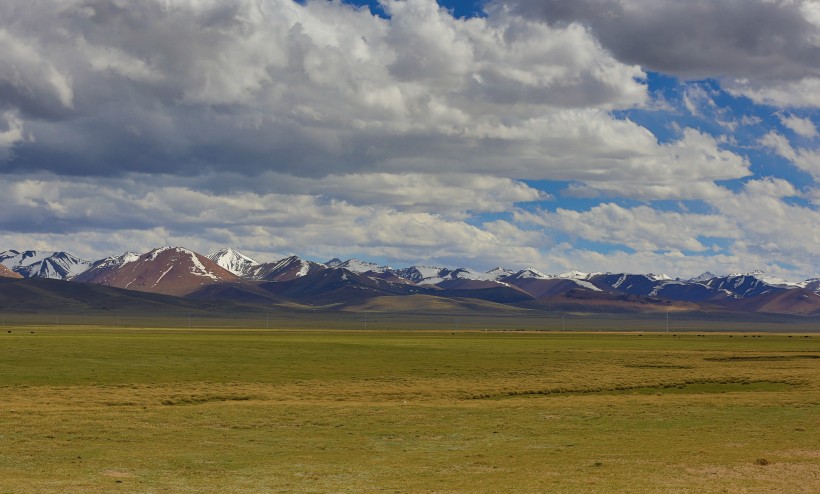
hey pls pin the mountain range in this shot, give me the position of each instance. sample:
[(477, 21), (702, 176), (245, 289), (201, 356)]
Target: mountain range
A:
[(232, 277)]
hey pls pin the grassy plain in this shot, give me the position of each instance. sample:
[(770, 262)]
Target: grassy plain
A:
[(95, 409)]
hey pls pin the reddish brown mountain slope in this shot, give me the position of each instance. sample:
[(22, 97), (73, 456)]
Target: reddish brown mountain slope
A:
[(8, 273), (169, 270), (795, 301)]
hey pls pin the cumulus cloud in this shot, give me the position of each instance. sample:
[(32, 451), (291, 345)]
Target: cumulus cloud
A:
[(804, 92), (807, 160), (186, 88), (319, 128), (767, 50), (773, 227), (696, 159), (757, 227), (640, 228), (310, 90), (327, 89), (265, 223), (672, 263), (800, 126)]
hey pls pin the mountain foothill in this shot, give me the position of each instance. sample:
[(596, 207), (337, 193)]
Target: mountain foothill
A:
[(175, 275)]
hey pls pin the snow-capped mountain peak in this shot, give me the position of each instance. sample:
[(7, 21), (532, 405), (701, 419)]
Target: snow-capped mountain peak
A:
[(424, 275), (288, 268), (774, 280), (168, 270), (499, 272), (708, 275), (234, 261), (357, 266), (39, 264), (768, 279), (530, 273), (115, 261), (576, 275)]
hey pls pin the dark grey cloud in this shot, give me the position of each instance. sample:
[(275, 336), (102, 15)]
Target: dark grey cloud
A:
[(761, 39)]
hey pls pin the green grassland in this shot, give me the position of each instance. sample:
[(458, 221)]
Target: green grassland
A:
[(106, 409)]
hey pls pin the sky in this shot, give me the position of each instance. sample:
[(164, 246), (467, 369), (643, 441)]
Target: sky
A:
[(640, 136)]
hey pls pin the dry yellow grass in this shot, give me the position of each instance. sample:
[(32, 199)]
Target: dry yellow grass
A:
[(408, 412)]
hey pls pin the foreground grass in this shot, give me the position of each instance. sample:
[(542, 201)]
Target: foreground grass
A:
[(88, 410)]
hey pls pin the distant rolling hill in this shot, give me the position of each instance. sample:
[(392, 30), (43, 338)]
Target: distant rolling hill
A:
[(48, 295), (431, 304)]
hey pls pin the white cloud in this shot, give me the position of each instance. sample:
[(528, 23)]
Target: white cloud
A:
[(757, 227), (11, 133), (443, 193), (801, 93), (774, 229), (671, 263), (190, 88), (806, 159), (640, 228), (321, 88), (696, 97), (260, 223), (696, 160), (320, 129), (800, 126)]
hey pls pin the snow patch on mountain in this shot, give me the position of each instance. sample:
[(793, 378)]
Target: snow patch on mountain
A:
[(303, 270), (769, 279), (36, 264), (233, 261), (576, 275), (585, 284), (776, 281), (661, 286), (498, 272), (531, 272), (745, 285), (163, 275), (156, 252), (304, 267), (358, 266), (704, 277), (469, 274), (112, 261), (198, 268), (423, 275)]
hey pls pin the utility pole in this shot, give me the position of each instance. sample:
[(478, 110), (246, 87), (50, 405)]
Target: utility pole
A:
[(563, 328), (365, 321), (667, 321)]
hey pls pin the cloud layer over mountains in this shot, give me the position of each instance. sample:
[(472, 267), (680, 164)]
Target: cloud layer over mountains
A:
[(535, 134)]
